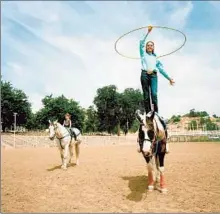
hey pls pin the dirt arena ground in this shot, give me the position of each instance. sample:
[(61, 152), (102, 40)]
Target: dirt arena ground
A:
[(110, 178)]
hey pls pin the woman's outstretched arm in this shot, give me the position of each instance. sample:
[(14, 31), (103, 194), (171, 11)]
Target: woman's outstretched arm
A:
[(160, 68)]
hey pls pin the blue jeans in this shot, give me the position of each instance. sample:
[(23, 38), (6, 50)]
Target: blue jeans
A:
[(149, 80)]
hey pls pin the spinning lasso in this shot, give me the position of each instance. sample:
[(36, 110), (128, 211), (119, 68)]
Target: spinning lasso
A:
[(152, 27)]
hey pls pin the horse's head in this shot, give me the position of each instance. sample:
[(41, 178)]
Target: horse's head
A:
[(52, 129), (146, 132)]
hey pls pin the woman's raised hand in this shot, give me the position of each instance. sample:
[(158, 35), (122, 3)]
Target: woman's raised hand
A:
[(149, 29), (172, 82)]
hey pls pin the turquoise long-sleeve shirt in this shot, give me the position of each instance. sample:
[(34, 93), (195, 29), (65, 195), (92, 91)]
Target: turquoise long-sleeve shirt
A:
[(149, 61)]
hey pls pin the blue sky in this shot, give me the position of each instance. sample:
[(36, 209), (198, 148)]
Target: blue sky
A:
[(68, 48)]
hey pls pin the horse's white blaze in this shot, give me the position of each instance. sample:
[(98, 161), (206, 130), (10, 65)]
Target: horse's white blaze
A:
[(147, 146)]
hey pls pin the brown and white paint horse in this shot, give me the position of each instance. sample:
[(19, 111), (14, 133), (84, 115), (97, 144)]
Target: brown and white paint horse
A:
[(152, 143), (65, 141)]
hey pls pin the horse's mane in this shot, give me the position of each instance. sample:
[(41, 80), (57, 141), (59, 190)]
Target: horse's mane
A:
[(59, 125)]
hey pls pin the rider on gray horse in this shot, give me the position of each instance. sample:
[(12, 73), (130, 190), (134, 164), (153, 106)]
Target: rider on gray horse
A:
[(67, 123)]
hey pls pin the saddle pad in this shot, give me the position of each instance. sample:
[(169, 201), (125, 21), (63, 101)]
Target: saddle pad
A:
[(76, 131)]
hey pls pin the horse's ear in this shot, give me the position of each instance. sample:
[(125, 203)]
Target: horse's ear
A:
[(139, 115), (49, 121), (56, 121), (150, 115)]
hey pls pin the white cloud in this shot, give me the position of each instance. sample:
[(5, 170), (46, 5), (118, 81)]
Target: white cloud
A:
[(77, 65), (16, 69), (35, 104), (180, 16)]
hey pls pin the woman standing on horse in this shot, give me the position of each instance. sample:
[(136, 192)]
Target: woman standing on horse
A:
[(150, 66)]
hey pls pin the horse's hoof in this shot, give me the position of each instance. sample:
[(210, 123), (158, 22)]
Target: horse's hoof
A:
[(150, 188), (164, 190), (64, 167)]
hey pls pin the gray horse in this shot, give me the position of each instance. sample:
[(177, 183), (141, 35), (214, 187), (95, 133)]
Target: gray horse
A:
[(65, 141)]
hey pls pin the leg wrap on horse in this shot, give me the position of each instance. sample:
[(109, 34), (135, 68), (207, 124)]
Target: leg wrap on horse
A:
[(162, 182), (162, 179), (158, 176), (150, 176), (161, 169)]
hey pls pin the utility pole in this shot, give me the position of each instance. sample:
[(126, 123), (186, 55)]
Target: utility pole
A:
[(15, 114)]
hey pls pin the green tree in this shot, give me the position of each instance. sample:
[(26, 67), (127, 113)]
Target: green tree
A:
[(215, 116), (202, 121), (175, 119), (54, 108), (135, 126), (208, 124), (192, 125), (108, 108), (31, 121), (130, 101), (203, 114), (14, 101), (194, 113), (91, 121), (117, 109)]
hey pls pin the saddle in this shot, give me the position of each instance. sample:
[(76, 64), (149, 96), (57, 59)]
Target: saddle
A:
[(72, 133), (150, 121)]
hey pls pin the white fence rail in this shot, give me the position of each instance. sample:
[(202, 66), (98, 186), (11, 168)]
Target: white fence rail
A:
[(22, 141), (194, 133)]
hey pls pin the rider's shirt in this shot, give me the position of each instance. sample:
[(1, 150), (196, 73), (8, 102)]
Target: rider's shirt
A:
[(149, 61)]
